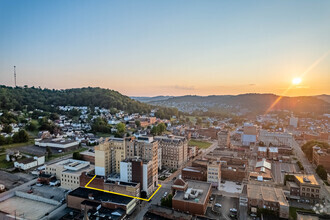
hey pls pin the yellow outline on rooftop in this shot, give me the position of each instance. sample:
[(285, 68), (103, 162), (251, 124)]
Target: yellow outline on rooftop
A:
[(86, 186)]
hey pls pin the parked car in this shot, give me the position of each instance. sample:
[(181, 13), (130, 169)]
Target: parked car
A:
[(233, 210), (39, 184), (218, 205), (165, 194)]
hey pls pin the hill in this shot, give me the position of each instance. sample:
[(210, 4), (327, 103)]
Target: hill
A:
[(46, 99), (150, 99), (324, 97), (251, 102)]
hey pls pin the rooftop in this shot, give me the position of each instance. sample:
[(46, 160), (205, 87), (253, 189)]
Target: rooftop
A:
[(306, 179), (269, 194), (196, 192), (100, 196)]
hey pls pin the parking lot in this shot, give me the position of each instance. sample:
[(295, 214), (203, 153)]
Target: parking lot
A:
[(222, 205), (11, 180), (49, 192)]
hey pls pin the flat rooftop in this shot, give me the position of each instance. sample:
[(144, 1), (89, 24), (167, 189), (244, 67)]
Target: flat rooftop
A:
[(100, 196), (306, 179), (269, 194), (195, 185), (30, 208)]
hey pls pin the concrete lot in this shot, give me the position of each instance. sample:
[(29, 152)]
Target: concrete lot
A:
[(45, 191), (25, 208), (231, 187), (279, 169)]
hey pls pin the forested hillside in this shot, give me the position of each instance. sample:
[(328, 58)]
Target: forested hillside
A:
[(20, 98)]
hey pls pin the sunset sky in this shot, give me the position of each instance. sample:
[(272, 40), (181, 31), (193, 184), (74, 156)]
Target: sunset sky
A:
[(148, 48)]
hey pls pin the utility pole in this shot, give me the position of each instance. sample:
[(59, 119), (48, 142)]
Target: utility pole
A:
[(15, 75)]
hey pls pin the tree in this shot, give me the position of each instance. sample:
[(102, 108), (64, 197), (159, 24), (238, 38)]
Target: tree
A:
[(167, 201), (9, 140), (215, 123), (2, 140), (49, 152), (154, 130), (21, 137), (76, 156), (32, 126), (320, 170), (7, 128), (138, 123), (54, 116), (308, 147), (161, 128), (121, 129)]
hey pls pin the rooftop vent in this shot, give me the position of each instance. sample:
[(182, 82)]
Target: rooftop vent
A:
[(306, 180)]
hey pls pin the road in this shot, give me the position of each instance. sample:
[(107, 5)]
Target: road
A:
[(144, 206), (309, 169)]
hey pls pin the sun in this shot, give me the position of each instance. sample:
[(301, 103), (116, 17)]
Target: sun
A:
[(296, 81)]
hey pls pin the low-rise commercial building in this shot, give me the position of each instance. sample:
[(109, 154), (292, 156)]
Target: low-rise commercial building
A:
[(77, 198), (304, 187), (99, 182), (28, 163), (194, 173), (192, 199), (273, 199), (58, 143), (69, 171)]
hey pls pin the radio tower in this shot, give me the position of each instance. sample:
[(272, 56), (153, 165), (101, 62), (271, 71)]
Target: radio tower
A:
[(15, 75)]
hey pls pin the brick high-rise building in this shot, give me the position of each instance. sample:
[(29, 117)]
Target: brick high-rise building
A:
[(174, 150)]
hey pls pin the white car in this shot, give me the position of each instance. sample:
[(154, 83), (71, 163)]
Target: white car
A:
[(39, 184), (165, 194), (233, 210), (218, 205)]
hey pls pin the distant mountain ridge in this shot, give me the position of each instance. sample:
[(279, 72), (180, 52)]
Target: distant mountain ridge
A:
[(150, 99), (252, 102)]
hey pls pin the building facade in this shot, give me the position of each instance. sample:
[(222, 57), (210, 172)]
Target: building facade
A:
[(174, 150)]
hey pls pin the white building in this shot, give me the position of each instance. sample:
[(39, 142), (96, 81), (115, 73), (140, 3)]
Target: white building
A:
[(276, 138), (69, 171), (29, 163)]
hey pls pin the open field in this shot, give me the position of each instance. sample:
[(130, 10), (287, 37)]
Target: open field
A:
[(200, 144), (3, 163), (8, 146)]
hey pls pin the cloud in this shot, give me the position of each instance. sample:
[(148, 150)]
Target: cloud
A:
[(178, 87)]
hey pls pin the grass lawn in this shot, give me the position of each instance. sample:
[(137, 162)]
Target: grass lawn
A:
[(200, 144), (4, 164), (30, 142), (99, 134), (54, 156), (293, 212)]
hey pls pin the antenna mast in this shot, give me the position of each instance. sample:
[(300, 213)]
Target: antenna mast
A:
[(15, 75)]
